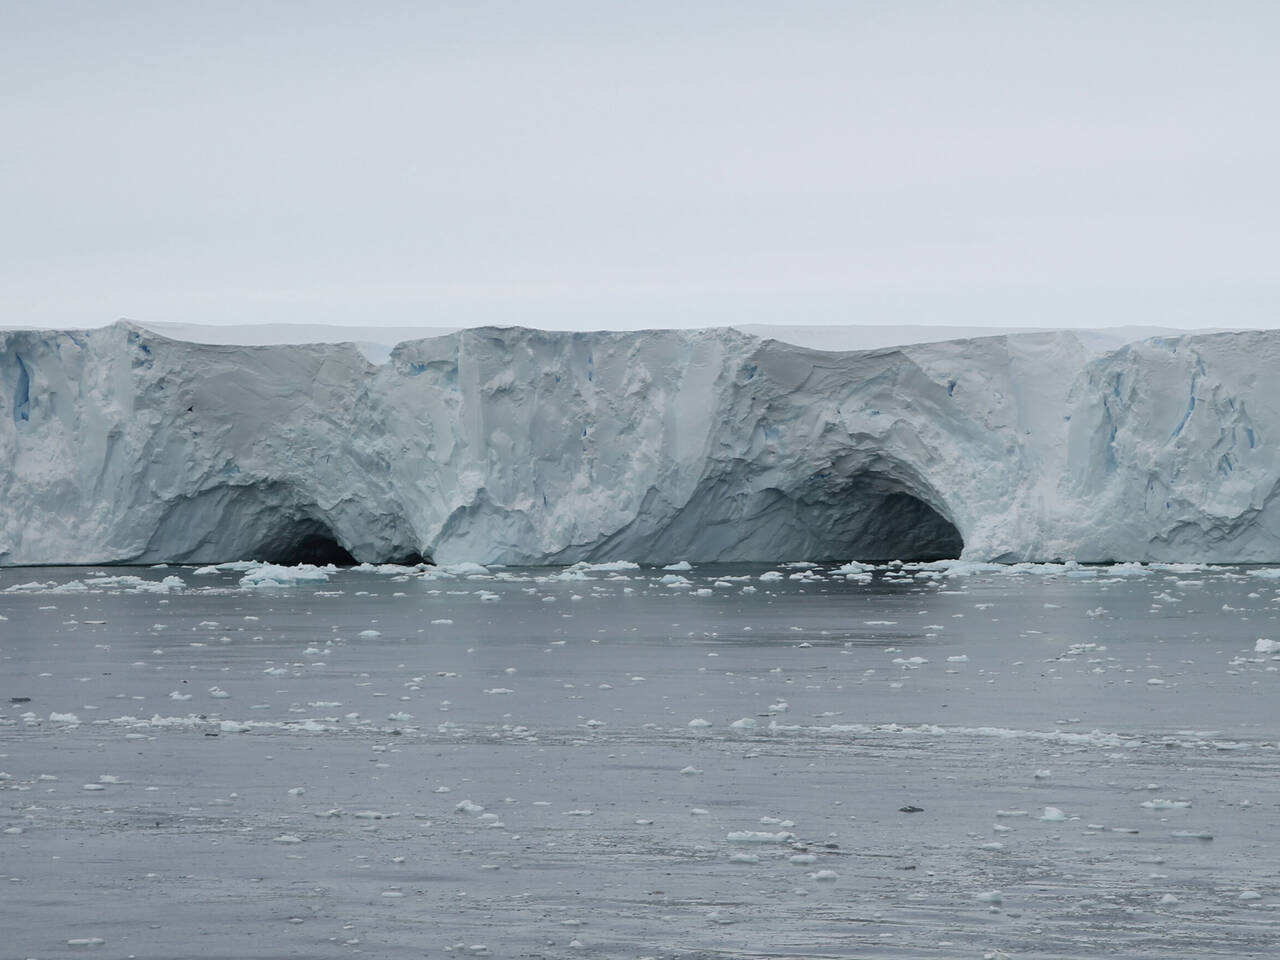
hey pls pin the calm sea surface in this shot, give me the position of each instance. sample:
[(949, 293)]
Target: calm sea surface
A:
[(636, 763)]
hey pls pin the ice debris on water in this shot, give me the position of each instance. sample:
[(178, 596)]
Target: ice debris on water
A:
[(1070, 752), (274, 575), (760, 836)]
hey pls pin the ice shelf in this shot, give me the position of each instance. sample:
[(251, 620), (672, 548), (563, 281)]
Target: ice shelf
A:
[(521, 446)]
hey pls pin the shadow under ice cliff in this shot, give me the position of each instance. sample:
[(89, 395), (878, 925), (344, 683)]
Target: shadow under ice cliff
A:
[(522, 446)]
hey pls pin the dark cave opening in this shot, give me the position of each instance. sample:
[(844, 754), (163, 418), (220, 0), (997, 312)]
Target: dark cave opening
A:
[(307, 542), (875, 525), (910, 529)]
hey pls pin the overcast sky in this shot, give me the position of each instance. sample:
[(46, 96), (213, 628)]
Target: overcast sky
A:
[(613, 164)]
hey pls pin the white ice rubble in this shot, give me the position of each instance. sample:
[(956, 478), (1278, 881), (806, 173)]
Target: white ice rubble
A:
[(519, 446)]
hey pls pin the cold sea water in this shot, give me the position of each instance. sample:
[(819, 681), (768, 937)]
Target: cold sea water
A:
[(938, 760)]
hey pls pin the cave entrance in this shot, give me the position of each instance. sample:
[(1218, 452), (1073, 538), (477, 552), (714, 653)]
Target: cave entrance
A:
[(870, 517), (307, 541), (903, 527)]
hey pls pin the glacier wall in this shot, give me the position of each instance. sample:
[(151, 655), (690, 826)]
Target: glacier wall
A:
[(523, 446)]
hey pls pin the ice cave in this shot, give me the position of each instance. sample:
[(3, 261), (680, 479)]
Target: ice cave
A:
[(902, 527), (523, 446), (307, 542)]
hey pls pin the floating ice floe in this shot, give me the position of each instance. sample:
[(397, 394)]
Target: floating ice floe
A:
[(760, 836), (852, 568), (274, 575), (123, 584), (463, 569)]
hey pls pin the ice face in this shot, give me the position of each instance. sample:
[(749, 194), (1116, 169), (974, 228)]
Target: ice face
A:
[(521, 446)]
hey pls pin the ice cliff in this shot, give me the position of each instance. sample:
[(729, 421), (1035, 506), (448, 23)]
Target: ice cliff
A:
[(522, 446)]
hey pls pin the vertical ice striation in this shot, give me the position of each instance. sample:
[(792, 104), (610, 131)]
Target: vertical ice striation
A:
[(519, 445)]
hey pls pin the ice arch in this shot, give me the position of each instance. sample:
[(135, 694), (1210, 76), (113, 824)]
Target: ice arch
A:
[(255, 521), (879, 514), (308, 541), (278, 522), (902, 527), (835, 514)]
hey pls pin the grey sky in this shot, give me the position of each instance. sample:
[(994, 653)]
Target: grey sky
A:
[(640, 164)]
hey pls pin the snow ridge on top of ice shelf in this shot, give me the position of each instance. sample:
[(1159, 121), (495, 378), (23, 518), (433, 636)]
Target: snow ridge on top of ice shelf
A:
[(521, 446)]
